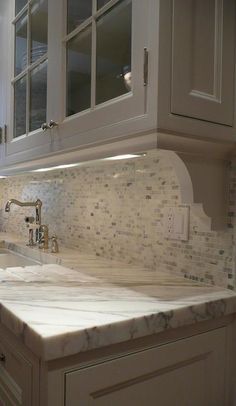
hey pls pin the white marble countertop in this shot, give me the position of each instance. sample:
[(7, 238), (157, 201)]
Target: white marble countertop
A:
[(58, 311)]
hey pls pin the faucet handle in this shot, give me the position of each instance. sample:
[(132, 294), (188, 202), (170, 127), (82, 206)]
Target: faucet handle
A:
[(43, 236), (54, 247)]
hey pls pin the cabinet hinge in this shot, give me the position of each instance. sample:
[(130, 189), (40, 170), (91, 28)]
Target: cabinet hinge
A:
[(145, 67)]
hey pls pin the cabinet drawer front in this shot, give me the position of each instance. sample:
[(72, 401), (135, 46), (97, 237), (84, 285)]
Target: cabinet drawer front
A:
[(186, 372), (15, 375)]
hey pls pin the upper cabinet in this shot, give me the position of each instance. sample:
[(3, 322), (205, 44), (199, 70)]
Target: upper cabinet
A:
[(27, 76), (88, 72), (102, 79), (79, 73), (197, 68), (203, 60)]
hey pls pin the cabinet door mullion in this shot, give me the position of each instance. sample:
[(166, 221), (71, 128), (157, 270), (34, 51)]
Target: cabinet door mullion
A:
[(93, 58), (28, 73), (56, 60)]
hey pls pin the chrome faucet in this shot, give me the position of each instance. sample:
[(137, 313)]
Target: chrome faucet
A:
[(37, 204), (41, 230)]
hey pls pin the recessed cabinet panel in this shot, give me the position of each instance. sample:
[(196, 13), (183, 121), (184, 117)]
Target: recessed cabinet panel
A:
[(188, 372), (203, 51)]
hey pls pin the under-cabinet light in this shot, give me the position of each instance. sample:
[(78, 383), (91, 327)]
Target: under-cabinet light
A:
[(112, 158), (127, 156), (53, 168)]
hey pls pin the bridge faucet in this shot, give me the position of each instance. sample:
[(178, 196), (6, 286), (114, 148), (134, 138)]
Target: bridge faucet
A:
[(37, 204)]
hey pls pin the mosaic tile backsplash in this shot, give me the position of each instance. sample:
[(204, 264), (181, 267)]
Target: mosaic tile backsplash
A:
[(114, 209)]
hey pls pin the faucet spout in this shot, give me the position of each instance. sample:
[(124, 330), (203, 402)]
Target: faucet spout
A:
[(37, 204)]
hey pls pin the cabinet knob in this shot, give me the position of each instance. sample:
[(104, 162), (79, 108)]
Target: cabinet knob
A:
[(2, 358), (52, 124), (45, 127), (49, 126)]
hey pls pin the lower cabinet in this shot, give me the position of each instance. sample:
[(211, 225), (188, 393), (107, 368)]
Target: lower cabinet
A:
[(189, 372), (18, 376), (198, 370)]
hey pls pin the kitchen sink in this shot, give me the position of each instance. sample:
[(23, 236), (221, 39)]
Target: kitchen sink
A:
[(10, 259)]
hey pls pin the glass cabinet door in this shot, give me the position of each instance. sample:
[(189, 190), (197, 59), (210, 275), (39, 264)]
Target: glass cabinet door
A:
[(98, 52), (103, 52), (30, 66), (79, 64)]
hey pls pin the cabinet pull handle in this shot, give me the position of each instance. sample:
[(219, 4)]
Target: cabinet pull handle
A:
[(2, 358), (145, 67), (3, 134)]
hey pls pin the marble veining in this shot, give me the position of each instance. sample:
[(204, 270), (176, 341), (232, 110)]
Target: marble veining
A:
[(58, 311)]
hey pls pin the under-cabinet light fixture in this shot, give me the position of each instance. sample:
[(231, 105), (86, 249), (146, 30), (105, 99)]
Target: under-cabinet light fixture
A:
[(112, 158), (53, 168), (127, 156)]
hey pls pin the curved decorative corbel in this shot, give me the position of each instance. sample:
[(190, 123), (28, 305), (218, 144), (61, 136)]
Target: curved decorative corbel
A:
[(203, 184)]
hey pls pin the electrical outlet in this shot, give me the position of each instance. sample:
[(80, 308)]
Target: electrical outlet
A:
[(169, 221), (176, 223)]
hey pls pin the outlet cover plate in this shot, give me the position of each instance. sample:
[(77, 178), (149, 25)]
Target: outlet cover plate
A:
[(176, 223)]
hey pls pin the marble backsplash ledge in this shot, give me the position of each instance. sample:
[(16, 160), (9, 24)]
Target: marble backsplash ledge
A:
[(115, 210)]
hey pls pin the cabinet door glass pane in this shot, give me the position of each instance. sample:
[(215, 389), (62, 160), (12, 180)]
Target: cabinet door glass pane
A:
[(21, 44), (19, 4), (77, 12), (79, 72), (101, 3), (39, 29), (38, 96), (113, 71), (20, 107)]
